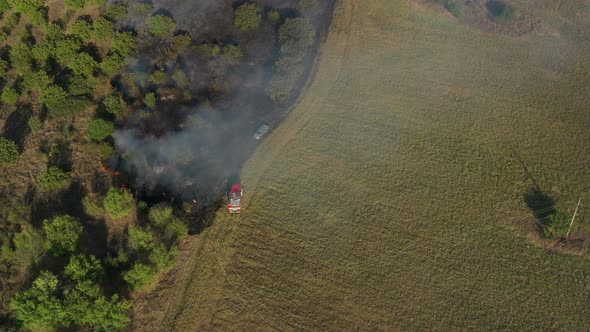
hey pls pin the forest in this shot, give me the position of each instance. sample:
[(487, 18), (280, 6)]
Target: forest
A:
[(121, 125)]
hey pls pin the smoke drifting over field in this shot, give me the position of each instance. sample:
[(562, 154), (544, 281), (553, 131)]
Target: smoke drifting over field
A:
[(201, 130)]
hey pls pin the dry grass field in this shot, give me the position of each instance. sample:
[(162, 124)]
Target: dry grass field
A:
[(391, 198)]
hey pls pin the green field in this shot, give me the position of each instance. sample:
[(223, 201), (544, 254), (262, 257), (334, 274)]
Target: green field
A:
[(391, 198)]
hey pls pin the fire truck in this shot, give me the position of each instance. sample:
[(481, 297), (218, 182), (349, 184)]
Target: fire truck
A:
[(235, 199)]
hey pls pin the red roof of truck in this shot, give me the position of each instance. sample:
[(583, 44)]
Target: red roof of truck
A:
[(236, 188)]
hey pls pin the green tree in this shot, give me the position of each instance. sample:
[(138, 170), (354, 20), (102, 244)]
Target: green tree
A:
[(248, 17), (113, 104), (112, 63), (123, 44), (108, 315), (29, 247), (21, 57), (83, 64), (66, 50), (82, 267), (81, 29), (139, 276), (162, 257), (8, 151), (140, 239), (116, 11), (118, 203), (53, 178), (53, 98), (103, 29), (76, 4), (161, 25), (150, 100), (26, 6), (99, 129), (35, 124), (61, 234), (160, 214), (4, 6), (39, 308), (232, 54), (296, 35), (9, 96)]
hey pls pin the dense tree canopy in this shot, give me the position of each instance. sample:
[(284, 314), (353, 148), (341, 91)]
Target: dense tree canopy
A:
[(118, 203), (62, 233), (248, 17), (161, 25)]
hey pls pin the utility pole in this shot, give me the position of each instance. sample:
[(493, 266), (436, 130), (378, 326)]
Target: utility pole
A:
[(573, 218)]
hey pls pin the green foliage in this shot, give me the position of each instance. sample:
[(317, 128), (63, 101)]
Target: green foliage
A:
[(112, 63), (66, 50), (35, 81), (215, 51), (53, 97), (273, 16), (83, 64), (232, 54), (139, 276), (83, 267), (11, 22), (81, 29), (4, 6), (160, 214), (180, 78), (40, 308), (8, 151), (501, 10), (140, 239), (41, 53), (53, 178), (35, 124), (9, 96), (39, 17), (248, 17), (557, 224), (123, 44), (76, 4), (455, 7), (3, 68), (118, 203), (296, 36), (158, 77), (150, 100), (79, 85), (161, 25), (109, 315), (70, 106), (61, 234), (21, 57), (179, 42), (103, 29), (116, 11), (113, 104), (92, 209), (29, 247), (99, 129), (26, 6), (175, 230), (162, 257), (141, 8)]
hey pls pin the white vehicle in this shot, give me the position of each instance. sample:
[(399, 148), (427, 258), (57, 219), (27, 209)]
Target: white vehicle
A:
[(261, 132)]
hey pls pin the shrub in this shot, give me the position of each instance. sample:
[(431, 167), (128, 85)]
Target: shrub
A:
[(455, 7), (83, 267), (66, 50), (103, 28), (81, 29), (180, 78), (162, 257), (4, 6), (79, 85), (140, 239), (35, 124), (557, 224), (501, 10), (161, 25), (8, 151), (70, 106), (160, 214), (11, 22), (76, 4), (142, 8), (150, 100), (53, 98), (61, 234), (116, 11), (139, 276), (248, 17), (26, 6), (118, 203), (21, 57), (99, 129), (113, 104), (273, 16), (296, 35), (179, 42), (9, 96), (53, 178), (92, 209), (159, 77), (123, 44), (83, 64), (112, 63), (232, 54), (175, 230)]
